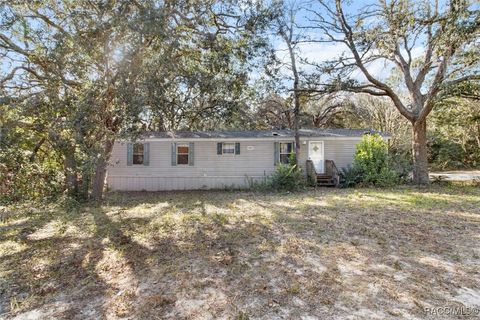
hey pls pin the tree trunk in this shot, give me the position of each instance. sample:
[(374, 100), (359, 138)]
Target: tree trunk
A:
[(84, 187), (296, 98), (71, 177), (297, 132), (101, 171), (419, 152), (37, 147)]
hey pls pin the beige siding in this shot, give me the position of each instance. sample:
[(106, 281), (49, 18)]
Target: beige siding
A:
[(255, 162), (341, 151), (209, 170)]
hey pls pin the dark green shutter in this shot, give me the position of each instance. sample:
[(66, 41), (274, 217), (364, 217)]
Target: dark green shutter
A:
[(276, 153), (146, 154), (294, 151), (219, 147), (174, 154), (237, 147), (129, 154), (191, 153)]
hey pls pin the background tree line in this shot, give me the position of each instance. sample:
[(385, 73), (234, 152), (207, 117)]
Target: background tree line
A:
[(77, 75)]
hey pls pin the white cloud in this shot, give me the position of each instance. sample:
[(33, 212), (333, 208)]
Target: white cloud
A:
[(322, 52)]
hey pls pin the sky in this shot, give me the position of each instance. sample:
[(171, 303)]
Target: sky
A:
[(316, 52), (321, 52)]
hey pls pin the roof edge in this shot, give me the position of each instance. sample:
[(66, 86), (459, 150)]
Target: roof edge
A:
[(260, 134)]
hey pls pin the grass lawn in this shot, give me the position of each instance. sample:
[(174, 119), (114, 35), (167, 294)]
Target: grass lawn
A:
[(324, 254)]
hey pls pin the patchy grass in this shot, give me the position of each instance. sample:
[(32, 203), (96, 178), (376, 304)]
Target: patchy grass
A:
[(330, 253)]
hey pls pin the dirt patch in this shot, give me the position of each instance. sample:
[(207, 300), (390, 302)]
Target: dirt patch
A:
[(324, 254)]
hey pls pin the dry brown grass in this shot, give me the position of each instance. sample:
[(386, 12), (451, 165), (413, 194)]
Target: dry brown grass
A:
[(326, 254)]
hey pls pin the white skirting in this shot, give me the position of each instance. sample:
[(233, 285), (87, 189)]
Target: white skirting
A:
[(147, 183)]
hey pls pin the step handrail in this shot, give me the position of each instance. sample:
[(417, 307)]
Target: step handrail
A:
[(334, 172), (330, 169), (311, 173)]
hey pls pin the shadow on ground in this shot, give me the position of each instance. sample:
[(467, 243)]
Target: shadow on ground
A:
[(326, 254)]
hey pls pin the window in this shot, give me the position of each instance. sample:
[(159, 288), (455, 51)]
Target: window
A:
[(228, 148), (286, 148), (182, 153), (138, 149)]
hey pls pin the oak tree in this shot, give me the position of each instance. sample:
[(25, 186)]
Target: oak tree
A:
[(431, 43)]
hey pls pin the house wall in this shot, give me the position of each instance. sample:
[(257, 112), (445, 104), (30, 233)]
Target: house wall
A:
[(211, 171), (341, 151)]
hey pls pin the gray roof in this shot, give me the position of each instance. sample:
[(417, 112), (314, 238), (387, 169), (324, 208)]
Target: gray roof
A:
[(262, 133)]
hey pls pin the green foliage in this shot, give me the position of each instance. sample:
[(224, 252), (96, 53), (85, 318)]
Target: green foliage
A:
[(21, 179), (286, 178), (113, 70), (401, 163), (451, 58), (350, 177), (372, 166), (28, 169), (69, 204), (454, 140), (292, 159), (371, 155), (446, 154)]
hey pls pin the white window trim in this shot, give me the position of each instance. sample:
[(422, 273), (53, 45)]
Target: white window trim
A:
[(229, 153)]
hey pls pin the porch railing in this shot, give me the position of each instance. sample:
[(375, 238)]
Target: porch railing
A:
[(311, 173), (331, 170)]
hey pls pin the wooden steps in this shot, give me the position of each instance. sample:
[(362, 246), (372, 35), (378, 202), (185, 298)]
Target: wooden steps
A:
[(325, 180), (330, 178)]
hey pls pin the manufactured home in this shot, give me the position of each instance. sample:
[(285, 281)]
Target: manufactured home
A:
[(226, 159)]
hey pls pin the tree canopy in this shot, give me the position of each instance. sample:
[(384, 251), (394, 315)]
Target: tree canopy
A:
[(76, 75)]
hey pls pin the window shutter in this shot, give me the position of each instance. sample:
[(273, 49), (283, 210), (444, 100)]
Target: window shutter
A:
[(146, 154), (190, 153), (174, 154), (219, 147), (294, 151), (276, 153), (237, 147), (129, 154)]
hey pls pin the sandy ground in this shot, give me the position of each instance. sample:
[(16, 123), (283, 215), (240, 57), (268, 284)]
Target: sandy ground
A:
[(466, 175), (325, 254)]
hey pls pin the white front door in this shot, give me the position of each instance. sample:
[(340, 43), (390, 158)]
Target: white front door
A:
[(315, 153)]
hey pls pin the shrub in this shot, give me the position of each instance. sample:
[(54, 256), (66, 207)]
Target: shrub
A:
[(372, 166), (21, 179), (350, 177), (286, 177), (445, 153), (401, 163), (292, 159)]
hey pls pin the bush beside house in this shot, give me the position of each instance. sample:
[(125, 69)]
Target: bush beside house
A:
[(287, 177), (373, 166)]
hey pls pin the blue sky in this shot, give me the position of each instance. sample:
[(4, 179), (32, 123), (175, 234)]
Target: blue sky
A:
[(317, 52), (321, 52)]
